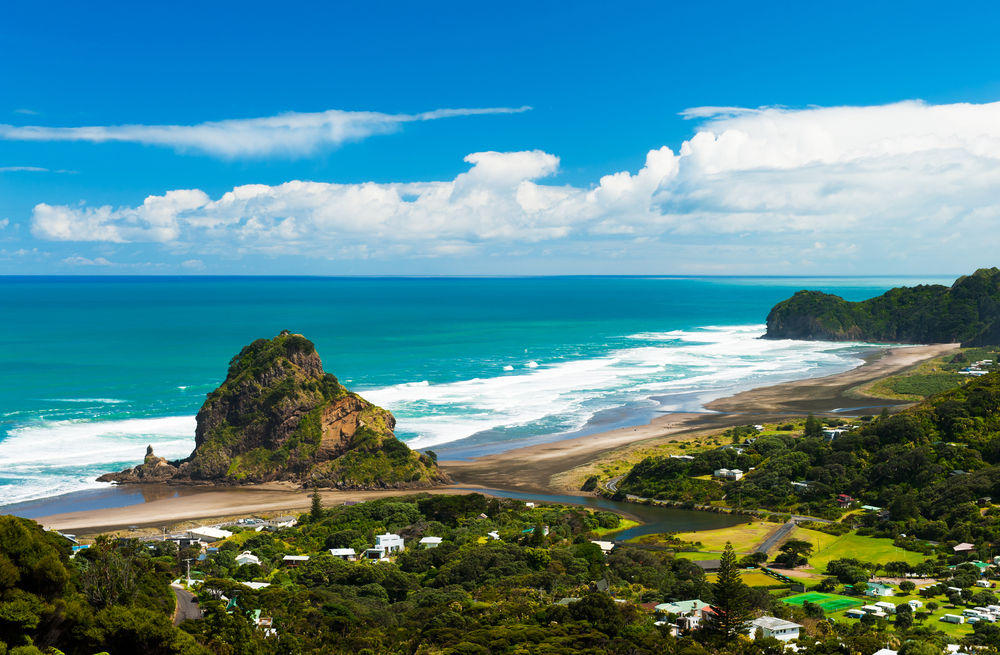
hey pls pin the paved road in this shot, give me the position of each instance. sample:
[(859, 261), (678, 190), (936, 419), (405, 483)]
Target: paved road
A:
[(612, 484), (186, 607), (775, 537)]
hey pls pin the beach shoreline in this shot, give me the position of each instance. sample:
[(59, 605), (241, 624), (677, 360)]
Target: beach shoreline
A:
[(526, 469)]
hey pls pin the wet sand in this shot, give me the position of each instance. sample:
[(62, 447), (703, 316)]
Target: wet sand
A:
[(530, 468)]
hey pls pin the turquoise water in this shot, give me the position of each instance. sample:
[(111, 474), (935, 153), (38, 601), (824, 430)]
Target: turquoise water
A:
[(93, 369)]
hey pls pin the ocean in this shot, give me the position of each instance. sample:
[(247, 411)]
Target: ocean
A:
[(92, 369)]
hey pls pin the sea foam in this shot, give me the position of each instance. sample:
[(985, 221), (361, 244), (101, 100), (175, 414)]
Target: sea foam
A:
[(693, 366)]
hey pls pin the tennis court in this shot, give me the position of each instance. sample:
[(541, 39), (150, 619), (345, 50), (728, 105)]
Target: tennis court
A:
[(829, 602)]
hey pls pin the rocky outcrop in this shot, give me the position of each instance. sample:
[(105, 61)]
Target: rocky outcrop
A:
[(968, 312), (279, 416), (152, 469)]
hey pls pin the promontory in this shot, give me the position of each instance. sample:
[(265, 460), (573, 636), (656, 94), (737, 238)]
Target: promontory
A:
[(968, 312), (279, 416)]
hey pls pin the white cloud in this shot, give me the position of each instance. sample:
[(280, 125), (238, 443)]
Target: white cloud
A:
[(23, 169), (288, 134), (899, 181), (77, 260), (4, 223)]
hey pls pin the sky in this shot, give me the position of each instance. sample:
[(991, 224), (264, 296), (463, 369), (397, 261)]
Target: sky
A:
[(514, 138)]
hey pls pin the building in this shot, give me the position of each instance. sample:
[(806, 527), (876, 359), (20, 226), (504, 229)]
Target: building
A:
[(256, 585), (833, 433), (683, 458), (430, 542), (770, 626), (386, 545), (494, 535), (605, 546), (208, 534), (886, 607), (246, 557), (854, 613), (728, 474), (695, 608), (963, 548), (844, 500), (879, 589), (346, 554), (295, 560)]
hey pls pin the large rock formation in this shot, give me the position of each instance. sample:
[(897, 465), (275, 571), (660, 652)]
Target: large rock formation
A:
[(278, 416), (968, 312)]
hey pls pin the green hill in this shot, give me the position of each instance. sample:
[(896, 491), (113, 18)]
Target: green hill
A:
[(968, 312)]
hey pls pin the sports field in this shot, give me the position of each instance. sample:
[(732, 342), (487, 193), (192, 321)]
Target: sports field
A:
[(829, 602)]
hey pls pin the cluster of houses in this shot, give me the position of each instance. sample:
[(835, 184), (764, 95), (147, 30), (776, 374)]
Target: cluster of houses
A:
[(977, 369), (688, 615)]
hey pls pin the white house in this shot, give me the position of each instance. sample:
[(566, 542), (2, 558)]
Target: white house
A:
[(430, 542), (392, 543), (879, 589), (728, 474), (886, 607), (346, 554), (771, 626), (256, 585), (246, 557), (206, 533), (963, 548), (385, 546), (494, 535), (295, 560)]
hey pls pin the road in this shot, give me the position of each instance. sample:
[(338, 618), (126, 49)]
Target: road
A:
[(775, 537), (186, 607)]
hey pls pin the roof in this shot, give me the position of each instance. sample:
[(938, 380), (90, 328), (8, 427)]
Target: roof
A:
[(604, 545), (682, 606), (340, 552), (213, 533), (566, 601), (878, 585), (963, 547), (774, 623), (296, 558), (707, 564), (256, 585), (431, 540)]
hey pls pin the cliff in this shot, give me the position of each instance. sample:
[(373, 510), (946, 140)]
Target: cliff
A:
[(968, 312), (279, 416)]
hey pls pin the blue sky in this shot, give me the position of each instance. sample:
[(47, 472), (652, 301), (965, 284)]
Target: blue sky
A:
[(879, 153)]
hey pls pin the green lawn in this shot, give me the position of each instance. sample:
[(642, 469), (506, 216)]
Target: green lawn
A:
[(867, 549), (933, 621), (624, 525), (744, 537), (829, 602)]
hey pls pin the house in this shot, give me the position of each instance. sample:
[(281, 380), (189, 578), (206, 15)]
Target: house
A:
[(844, 500), (695, 608), (493, 535), (801, 486), (605, 546), (392, 543), (854, 613), (770, 626), (879, 589), (885, 651), (871, 609), (886, 607), (566, 601), (832, 433), (952, 618), (871, 508), (963, 548), (386, 545), (246, 557), (529, 505), (346, 554), (915, 604), (683, 458), (256, 585), (430, 542), (728, 474), (208, 534), (295, 560)]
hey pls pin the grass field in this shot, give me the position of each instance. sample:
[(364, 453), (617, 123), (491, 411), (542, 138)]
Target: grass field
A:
[(624, 525), (697, 556), (829, 602), (867, 549), (743, 537), (751, 579)]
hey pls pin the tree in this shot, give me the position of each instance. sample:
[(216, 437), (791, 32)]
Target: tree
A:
[(731, 604), (813, 427), (316, 511), (907, 586), (794, 552)]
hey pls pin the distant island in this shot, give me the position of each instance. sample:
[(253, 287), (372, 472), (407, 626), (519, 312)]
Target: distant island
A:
[(967, 312), (279, 416)]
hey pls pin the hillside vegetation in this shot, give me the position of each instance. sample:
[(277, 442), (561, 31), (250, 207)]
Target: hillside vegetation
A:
[(968, 312)]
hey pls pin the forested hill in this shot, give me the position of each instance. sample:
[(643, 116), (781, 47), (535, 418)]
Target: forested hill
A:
[(928, 466), (968, 312)]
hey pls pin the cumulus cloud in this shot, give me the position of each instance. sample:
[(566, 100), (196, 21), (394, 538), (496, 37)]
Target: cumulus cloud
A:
[(884, 182), (288, 134)]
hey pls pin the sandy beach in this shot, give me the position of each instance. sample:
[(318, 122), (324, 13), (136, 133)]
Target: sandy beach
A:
[(530, 468)]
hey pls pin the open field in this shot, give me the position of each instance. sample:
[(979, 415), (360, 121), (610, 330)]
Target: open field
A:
[(743, 537), (752, 578), (829, 602), (866, 549), (933, 621)]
